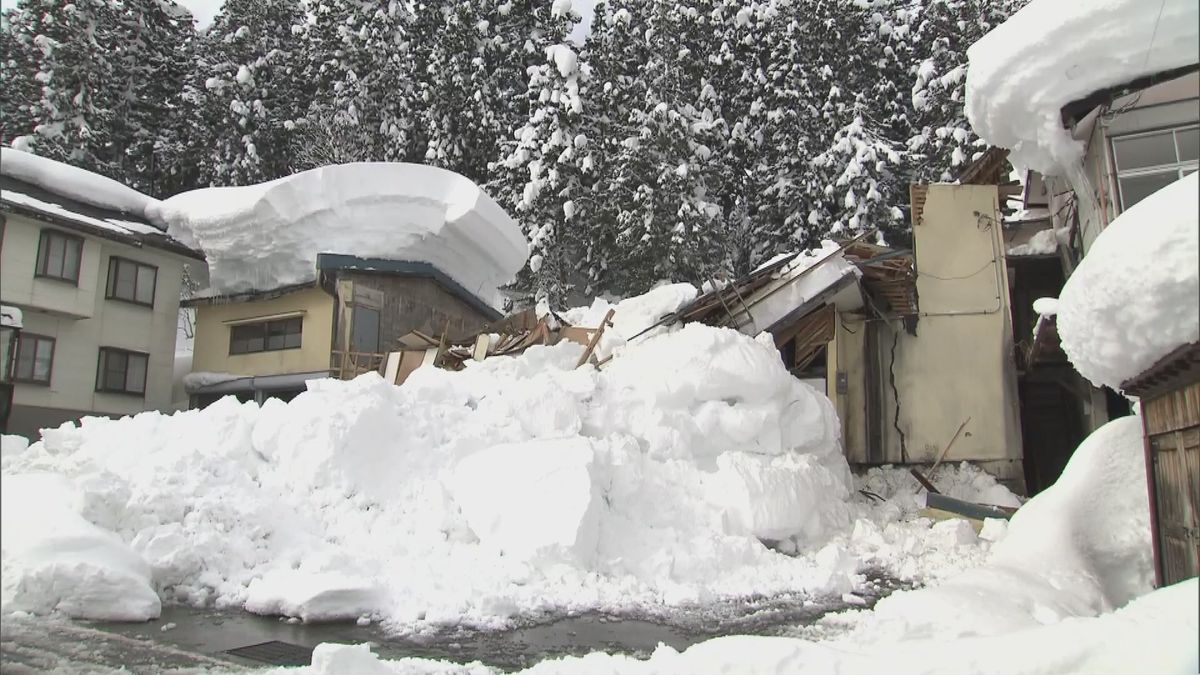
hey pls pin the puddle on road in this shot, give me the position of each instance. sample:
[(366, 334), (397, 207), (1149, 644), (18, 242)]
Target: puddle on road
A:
[(213, 632)]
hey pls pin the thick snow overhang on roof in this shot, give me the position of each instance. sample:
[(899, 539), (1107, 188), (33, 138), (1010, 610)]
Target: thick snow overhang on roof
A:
[(269, 235), (1052, 53), (34, 201)]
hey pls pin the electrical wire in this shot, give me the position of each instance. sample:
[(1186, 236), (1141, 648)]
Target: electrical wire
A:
[(923, 273)]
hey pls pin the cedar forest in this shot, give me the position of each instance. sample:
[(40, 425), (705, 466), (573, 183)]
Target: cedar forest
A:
[(687, 140)]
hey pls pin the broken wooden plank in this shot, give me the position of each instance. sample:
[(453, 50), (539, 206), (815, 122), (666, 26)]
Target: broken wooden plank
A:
[(587, 352), (482, 342), (946, 449), (923, 481)]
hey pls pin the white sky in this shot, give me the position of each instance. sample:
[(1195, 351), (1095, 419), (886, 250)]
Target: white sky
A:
[(205, 10)]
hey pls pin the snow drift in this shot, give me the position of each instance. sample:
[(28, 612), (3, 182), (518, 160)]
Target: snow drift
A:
[(1135, 297), (268, 235), (519, 485), (1053, 52), (1080, 548)]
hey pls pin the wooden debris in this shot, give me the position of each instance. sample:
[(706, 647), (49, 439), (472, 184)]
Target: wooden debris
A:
[(946, 449), (923, 481), (587, 353)]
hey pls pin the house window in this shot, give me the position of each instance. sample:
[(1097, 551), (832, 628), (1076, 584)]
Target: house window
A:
[(131, 281), (364, 330), (35, 358), (265, 336), (122, 371), (1149, 162), (58, 256)]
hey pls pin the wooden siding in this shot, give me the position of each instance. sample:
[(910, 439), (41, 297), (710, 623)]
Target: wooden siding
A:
[(1172, 425)]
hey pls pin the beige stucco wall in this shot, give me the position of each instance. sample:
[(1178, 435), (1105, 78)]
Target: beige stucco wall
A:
[(212, 335), (960, 364), (81, 320)]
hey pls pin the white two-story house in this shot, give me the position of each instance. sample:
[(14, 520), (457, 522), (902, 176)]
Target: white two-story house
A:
[(98, 287)]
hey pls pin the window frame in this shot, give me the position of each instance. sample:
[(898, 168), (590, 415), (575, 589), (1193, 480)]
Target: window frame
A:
[(42, 263), (265, 329), (1178, 166), (21, 337), (110, 286), (102, 361)]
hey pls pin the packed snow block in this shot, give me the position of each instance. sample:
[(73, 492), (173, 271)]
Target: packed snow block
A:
[(778, 497), (11, 444), (526, 499), (1136, 296), (269, 235), (319, 596), (701, 391), (54, 560)]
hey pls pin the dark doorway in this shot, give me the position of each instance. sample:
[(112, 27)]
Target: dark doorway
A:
[(1051, 425)]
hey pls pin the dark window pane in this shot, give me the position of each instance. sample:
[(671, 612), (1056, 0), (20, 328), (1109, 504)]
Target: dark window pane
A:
[(292, 338), (71, 259), (135, 376), (35, 356), (54, 259), (1143, 151), (146, 277), (1189, 144), (1136, 188), (126, 280), (276, 332), (25, 354), (43, 357), (110, 287), (114, 370)]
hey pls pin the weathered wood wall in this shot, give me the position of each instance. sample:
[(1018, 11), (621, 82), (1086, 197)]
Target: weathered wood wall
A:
[(1172, 424)]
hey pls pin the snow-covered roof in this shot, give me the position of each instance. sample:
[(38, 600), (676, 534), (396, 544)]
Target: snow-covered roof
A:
[(269, 235), (1054, 52), (21, 196), (74, 183), (1135, 297)]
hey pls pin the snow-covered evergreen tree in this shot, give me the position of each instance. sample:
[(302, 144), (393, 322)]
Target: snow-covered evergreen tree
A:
[(550, 165), (249, 91)]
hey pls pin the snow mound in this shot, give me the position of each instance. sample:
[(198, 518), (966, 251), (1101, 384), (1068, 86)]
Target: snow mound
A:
[(74, 183), (516, 486), (631, 316), (268, 235), (56, 561), (1078, 549), (1053, 52), (1135, 297)]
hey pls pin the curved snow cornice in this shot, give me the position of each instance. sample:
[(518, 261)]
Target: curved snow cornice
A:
[(263, 236), (1055, 52)]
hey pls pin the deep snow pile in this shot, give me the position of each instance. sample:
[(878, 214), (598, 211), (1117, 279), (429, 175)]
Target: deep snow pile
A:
[(1135, 297), (1053, 52), (1079, 549), (520, 484), (269, 235)]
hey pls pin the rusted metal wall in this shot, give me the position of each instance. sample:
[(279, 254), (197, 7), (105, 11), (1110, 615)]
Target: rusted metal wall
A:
[(1172, 424)]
